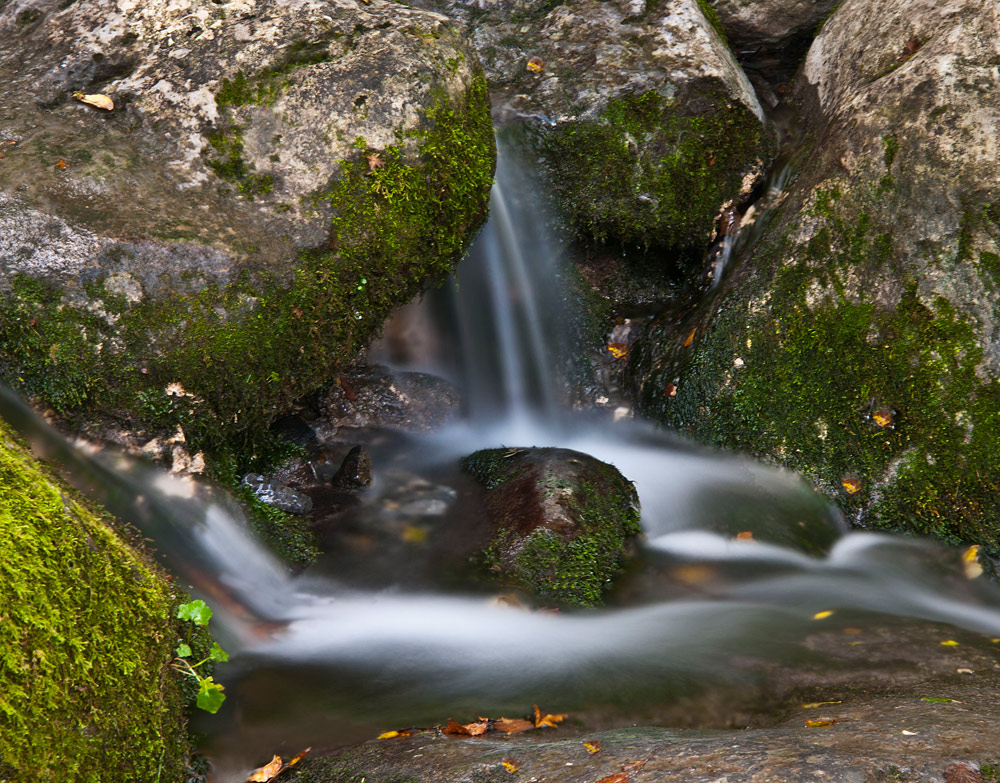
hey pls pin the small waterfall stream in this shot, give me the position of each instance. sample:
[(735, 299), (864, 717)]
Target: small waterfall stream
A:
[(707, 609)]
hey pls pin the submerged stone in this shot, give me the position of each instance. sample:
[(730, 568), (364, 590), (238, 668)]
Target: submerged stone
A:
[(247, 214), (274, 493), (562, 521)]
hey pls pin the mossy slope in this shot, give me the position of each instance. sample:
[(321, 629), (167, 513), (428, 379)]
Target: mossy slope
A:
[(87, 634), (563, 521)]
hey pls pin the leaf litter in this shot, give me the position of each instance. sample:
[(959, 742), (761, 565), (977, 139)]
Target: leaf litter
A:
[(481, 726)]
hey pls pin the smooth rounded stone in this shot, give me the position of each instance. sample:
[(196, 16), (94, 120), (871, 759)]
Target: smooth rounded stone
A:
[(355, 471), (861, 346), (375, 396), (562, 521), (231, 228), (279, 495)]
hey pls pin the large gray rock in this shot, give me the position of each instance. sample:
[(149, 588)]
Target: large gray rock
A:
[(861, 345), (754, 25), (249, 211)]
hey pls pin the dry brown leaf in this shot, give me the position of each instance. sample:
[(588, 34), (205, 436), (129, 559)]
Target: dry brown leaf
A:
[(375, 161), (670, 390), (547, 719), (635, 766), (301, 755), (513, 725), (475, 729), (745, 535), (267, 772), (690, 337), (536, 65), (99, 101), (960, 772), (618, 777)]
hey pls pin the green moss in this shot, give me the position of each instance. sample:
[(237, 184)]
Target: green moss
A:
[(565, 568), (713, 19), (813, 382), (231, 166), (991, 263), (648, 173), (243, 352), (86, 637)]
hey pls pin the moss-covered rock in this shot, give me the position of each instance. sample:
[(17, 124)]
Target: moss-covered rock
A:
[(646, 124), (86, 638), (270, 184), (562, 521), (859, 346)]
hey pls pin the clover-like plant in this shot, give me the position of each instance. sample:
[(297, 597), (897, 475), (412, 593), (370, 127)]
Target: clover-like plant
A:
[(210, 693)]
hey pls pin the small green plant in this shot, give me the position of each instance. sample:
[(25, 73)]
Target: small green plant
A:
[(210, 695)]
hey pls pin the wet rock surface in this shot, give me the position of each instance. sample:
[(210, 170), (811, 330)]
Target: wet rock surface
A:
[(858, 344), (887, 703), (562, 521)]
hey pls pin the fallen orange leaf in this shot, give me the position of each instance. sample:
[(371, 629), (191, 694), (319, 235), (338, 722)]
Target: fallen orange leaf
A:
[(513, 725), (299, 756), (690, 337), (476, 729), (851, 485), (618, 777), (592, 746), (745, 535), (267, 772), (61, 164), (618, 350), (392, 734), (635, 766)]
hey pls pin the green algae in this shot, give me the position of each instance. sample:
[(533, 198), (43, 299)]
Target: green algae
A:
[(653, 171), (86, 693), (565, 567)]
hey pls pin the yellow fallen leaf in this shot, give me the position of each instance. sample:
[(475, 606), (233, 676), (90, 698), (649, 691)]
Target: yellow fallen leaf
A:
[(618, 350), (267, 772), (547, 719), (592, 746), (100, 101), (883, 417), (690, 337), (301, 755), (823, 615), (950, 643), (822, 723), (510, 765), (851, 485), (391, 735), (814, 704), (536, 65), (413, 534), (970, 562)]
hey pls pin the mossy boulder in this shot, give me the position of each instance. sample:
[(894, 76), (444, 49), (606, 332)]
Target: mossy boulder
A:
[(562, 521), (646, 124), (859, 345), (86, 691), (271, 182)]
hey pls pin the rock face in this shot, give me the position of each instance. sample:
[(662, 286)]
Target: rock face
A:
[(562, 520), (861, 346), (249, 211), (646, 123), (85, 688), (766, 27)]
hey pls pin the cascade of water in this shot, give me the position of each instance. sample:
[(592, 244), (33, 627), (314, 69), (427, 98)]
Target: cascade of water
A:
[(504, 308)]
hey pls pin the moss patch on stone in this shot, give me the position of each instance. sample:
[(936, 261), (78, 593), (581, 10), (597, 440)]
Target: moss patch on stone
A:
[(876, 392), (563, 521), (653, 171), (244, 351), (86, 637)]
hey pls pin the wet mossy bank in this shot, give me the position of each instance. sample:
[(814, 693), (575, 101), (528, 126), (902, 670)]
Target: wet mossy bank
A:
[(86, 691)]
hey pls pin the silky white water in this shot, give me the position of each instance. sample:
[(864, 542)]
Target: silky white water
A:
[(320, 662)]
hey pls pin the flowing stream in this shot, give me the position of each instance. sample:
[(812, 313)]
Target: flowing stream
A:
[(326, 660)]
